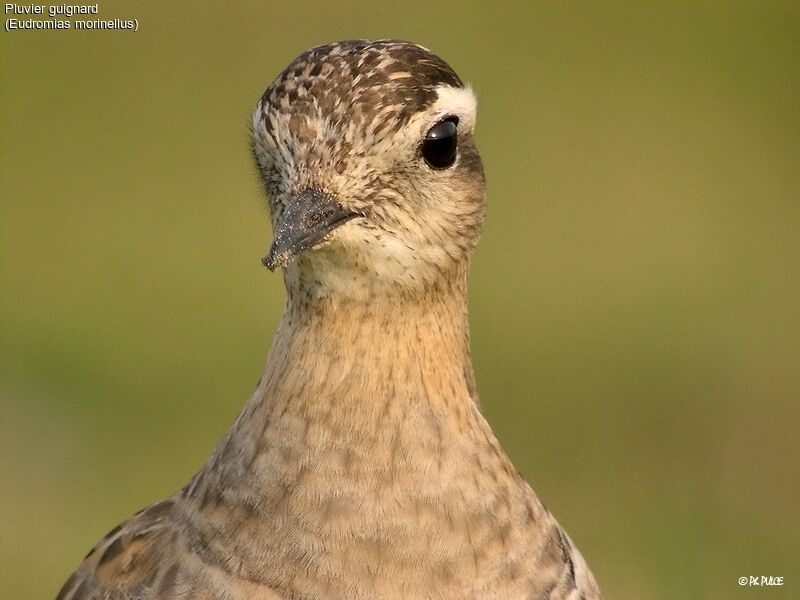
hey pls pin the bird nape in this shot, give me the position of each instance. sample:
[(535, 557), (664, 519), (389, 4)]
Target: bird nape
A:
[(362, 466)]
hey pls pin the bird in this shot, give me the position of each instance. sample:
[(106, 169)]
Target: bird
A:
[(362, 466)]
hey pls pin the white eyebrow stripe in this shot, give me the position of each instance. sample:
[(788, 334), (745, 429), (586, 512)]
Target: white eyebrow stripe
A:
[(457, 101)]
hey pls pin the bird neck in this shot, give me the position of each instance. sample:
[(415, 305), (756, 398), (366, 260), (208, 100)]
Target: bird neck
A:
[(355, 359), (372, 378)]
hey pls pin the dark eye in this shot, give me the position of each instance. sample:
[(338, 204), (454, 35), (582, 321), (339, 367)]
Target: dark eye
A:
[(440, 143)]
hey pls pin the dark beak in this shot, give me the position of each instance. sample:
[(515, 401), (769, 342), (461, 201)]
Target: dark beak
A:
[(307, 219)]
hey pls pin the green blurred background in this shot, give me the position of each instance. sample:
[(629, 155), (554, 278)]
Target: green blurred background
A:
[(634, 303)]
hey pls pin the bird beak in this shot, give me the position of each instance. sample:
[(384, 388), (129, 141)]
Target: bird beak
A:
[(307, 219)]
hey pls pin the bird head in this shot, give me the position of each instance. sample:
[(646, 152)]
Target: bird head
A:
[(367, 155)]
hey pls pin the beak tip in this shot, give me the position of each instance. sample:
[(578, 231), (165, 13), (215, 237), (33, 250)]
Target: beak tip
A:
[(272, 262), (276, 258), (268, 262)]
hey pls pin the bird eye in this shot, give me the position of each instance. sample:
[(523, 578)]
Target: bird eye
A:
[(440, 143)]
